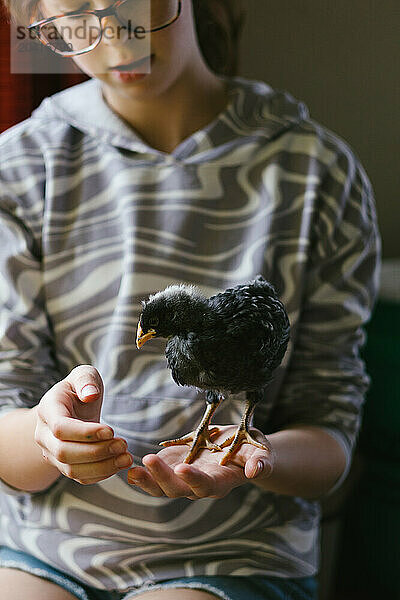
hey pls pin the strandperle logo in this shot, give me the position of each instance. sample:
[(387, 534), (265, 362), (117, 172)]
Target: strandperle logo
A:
[(85, 32), (65, 36)]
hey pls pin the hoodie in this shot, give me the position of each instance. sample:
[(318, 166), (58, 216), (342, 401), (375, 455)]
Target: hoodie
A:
[(92, 221)]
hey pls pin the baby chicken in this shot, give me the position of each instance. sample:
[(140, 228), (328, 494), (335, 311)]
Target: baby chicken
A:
[(229, 343)]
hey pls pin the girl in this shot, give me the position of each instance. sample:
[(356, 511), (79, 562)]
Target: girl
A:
[(112, 189)]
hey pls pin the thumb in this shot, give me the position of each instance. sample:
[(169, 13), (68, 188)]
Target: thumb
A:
[(257, 466), (86, 382)]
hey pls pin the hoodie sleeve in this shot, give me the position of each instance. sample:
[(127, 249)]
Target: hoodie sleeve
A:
[(28, 367), (326, 379)]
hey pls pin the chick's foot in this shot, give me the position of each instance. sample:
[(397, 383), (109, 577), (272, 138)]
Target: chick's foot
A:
[(234, 442), (198, 439)]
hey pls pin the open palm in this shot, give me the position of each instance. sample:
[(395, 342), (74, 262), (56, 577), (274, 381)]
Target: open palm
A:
[(165, 474)]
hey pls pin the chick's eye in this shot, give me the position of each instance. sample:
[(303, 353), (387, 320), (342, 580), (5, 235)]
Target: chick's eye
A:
[(153, 322)]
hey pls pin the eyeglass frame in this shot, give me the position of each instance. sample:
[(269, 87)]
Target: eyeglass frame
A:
[(100, 14)]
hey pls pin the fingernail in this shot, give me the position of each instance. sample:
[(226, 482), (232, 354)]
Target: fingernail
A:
[(117, 447), (89, 390), (131, 476), (124, 460), (105, 434), (258, 469)]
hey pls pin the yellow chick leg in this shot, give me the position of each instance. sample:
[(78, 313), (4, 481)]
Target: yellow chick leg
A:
[(200, 437), (242, 435)]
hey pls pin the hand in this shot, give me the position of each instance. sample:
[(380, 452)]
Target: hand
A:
[(69, 432), (165, 474)]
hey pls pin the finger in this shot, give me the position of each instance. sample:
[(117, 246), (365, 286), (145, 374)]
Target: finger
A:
[(201, 484), (86, 382), (256, 466), (164, 476), (78, 452), (90, 471), (69, 429), (53, 411), (143, 479)]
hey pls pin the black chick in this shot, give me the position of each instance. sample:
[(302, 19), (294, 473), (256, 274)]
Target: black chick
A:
[(229, 343)]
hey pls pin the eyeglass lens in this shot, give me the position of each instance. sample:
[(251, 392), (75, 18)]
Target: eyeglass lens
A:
[(75, 33)]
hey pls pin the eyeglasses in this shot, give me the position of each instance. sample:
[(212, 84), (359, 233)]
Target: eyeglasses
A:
[(80, 31)]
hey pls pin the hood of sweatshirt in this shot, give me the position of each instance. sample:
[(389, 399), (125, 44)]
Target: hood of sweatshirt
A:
[(253, 108)]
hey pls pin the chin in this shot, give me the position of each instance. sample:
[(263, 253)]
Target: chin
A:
[(151, 87)]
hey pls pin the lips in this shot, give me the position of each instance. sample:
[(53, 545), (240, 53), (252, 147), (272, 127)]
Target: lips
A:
[(132, 66)]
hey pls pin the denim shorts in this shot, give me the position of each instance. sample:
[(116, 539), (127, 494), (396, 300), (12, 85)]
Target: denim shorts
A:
[(225, 587)]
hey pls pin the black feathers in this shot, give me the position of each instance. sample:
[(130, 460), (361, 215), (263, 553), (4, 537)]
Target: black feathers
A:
[(229, 343)]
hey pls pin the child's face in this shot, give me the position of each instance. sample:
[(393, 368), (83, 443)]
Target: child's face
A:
[(174, 50)]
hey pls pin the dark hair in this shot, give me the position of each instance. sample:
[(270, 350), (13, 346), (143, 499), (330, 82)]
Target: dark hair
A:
[(19, 10), (218, 26)]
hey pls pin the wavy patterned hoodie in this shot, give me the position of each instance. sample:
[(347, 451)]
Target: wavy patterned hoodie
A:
[(93, 220)]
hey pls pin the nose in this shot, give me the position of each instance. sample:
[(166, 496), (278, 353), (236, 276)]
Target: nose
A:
[(114, 32)]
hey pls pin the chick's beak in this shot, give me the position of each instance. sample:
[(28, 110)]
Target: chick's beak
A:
[(142, 338)]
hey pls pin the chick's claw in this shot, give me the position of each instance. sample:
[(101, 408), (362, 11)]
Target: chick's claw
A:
[(197, 440), (235, 442)]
